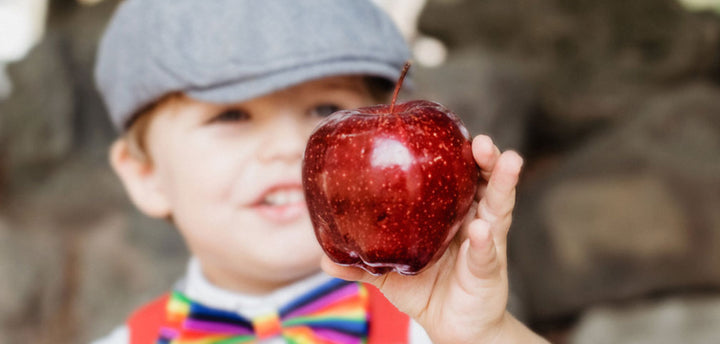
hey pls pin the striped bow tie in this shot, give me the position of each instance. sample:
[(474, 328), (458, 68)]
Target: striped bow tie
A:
[(333, 313)]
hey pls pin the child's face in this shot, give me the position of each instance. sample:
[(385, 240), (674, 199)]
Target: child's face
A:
[(230, 175)]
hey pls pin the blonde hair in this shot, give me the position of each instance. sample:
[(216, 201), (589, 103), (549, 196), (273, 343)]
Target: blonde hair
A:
[(136, 133)]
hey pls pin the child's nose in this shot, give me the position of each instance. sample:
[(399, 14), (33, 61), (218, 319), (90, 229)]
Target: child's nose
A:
[(285, 141)]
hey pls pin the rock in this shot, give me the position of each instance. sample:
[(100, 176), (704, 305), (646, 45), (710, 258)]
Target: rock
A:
[(31, 261), (688, 319), (119, 272), (37, 117), (80, 256), (595, 226), (82, 26), (592, 62), (5, 85), (54, 110), (633, 217), (489, 94)]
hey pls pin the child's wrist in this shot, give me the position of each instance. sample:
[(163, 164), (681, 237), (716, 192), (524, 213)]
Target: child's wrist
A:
[(496, 331), (511, 330), (506, 330)]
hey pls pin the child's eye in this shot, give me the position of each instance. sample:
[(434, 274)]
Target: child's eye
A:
[(231, 115), (324, 110)]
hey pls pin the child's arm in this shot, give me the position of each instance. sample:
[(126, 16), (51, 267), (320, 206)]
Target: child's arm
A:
[(462, 298)]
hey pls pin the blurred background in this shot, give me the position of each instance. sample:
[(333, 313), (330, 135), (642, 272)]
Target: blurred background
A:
[(614, 104)]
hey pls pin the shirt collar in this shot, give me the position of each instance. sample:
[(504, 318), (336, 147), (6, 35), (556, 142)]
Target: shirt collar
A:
[(199, 289)]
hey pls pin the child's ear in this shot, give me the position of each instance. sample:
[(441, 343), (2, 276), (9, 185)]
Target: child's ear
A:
[(138, 177)]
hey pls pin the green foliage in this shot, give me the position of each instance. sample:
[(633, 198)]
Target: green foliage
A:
[(701, 5)]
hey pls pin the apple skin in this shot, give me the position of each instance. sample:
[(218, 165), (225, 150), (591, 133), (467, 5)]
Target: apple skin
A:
[(388, 191)]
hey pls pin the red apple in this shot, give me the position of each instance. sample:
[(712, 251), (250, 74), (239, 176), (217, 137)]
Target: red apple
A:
[(388, 186)]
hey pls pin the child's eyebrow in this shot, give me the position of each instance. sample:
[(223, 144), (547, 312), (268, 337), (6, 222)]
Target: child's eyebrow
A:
[(344, 84)]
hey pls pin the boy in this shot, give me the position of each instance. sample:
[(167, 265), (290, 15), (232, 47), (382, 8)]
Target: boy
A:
[(216, 100)]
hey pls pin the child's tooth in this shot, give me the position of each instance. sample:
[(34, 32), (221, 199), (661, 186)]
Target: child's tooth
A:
[(284, 197), (273, 198)]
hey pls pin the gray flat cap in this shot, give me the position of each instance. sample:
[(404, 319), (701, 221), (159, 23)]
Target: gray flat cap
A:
[(232, 50)]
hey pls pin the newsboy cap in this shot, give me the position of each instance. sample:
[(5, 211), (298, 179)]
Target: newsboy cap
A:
[(225, 51)]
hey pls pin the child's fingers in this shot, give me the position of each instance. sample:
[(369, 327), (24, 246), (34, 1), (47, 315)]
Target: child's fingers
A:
[(339, 271), (348, 273), (482, 257), (486, 154), (499, 195)]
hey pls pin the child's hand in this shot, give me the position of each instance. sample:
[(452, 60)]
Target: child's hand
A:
[(462, 298)]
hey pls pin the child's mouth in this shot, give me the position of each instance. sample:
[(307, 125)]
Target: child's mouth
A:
[(283, 197), (281, 204)]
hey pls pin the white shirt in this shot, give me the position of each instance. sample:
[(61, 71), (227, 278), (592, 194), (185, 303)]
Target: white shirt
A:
[(199, 289)]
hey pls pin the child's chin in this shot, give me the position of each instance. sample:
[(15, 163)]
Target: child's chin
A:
[(296, 269)]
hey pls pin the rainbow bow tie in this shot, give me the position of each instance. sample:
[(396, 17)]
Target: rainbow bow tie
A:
[(333, 313)]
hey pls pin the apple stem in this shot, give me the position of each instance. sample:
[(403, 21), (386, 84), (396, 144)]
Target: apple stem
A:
[(399, 85)]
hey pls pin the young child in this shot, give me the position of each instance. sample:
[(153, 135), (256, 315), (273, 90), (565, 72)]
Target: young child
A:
[(215, 100)]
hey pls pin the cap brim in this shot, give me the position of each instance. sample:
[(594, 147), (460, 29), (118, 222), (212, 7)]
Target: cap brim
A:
[(248, 88)]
